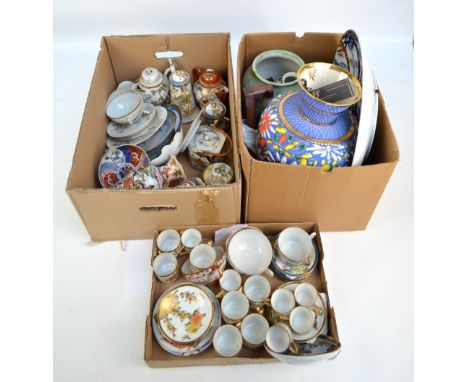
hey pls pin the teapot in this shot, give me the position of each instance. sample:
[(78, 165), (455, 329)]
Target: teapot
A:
[(154, 86), (209, 85)]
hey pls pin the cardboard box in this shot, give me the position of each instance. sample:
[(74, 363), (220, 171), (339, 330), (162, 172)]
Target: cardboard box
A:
[(341, 200), (121, 214), (156, 357)]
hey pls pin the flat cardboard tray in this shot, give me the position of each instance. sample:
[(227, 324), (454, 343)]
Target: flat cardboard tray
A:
[(156, 357)]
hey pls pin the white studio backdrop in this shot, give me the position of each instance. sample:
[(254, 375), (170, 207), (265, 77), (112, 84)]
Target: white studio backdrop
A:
[(88, 20)]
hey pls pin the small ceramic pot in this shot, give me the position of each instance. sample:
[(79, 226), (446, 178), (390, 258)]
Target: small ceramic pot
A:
[(257, 289), (168, 241), (165, 267), (218, 174), (181, 95), (214, 114), (302, 320), (254, 329), (227, 341), (154, 85), (229, 281), (280, 339), (202, 257), (208, 86), (234, 307), (209, 145)]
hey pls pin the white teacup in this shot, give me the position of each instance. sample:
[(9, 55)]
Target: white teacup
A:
[(294, 245), (227, 341), (229, 281), (257, 289), (307, 295), (169, 241), (282, 302), (279, 338), (234, 307), (202, 257), (190, 238), (254, 329), (302, 319), (165, 267)]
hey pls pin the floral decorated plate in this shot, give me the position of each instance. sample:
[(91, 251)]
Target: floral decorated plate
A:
[(207, 276), (185, 313), (187, 349)]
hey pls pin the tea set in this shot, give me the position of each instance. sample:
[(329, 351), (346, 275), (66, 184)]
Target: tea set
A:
[(149, 114), (312, 114), (245, 312)]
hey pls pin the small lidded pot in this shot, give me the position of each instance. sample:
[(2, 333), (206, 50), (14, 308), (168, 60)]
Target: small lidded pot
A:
[(208, 86), (217, 174), (209, 145), (213, 114), (154, 85)]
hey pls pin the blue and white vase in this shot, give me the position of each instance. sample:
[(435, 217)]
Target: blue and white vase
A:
[(300, 128)]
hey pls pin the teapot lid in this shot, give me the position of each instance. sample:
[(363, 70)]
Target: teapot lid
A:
[(179, 78), (210, 78), (151, 77)]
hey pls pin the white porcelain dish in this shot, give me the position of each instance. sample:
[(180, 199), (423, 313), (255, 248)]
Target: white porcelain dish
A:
[(127, 132)]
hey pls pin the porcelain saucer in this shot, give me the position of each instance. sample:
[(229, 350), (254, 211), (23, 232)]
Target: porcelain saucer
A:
[(129, 131)]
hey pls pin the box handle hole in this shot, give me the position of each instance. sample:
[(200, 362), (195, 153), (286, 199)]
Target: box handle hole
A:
[(158, 208)]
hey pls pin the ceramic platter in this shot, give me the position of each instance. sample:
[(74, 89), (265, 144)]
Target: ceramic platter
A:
[(294, 273), (350, 56), (192, 327), (322, 349), (208, 276)]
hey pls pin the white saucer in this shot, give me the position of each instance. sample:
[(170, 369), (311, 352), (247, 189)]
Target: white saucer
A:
[(121, 132)]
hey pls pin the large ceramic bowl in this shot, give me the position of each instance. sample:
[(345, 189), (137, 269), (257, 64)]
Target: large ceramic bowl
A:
[(249, 251)]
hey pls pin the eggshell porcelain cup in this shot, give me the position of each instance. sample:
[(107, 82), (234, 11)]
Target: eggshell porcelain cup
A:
[(202, 257), (191, 238), (254, 329), (279, 338), (302, 320), (169, 241), (294, 245), (227, 341), (165, 267), (234, 307), (123, 104), (307, 295), (229, 281), (283, 302), (257, 289)]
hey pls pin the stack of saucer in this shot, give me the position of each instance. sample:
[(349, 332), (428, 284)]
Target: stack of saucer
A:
[(185, 319)]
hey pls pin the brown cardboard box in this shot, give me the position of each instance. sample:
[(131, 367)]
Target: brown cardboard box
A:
[(156, 357), (120, 214), (341, 200)]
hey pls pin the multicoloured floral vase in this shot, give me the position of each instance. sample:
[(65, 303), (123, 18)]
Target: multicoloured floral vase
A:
[(301, 129)]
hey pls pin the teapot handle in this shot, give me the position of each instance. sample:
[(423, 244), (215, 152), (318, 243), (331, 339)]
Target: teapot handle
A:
[(196, 71), (167, 73)]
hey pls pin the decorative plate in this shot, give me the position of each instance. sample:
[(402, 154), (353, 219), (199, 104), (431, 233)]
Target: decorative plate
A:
[(192, 348), (185, 313)]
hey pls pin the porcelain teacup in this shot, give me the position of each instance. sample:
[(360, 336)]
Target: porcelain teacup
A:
[(302, 320), (257, 289), (279, 338), (202, 257), (234, 307), (227, 341), (168, 241), (229, 281), (190, 238), (254, 328), (294, 245), (166, 268), (307, 295), (125, 106), (282, 302)]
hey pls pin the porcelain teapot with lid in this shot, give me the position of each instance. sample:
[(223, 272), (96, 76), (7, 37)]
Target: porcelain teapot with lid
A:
[(209, 85), (154, 85)]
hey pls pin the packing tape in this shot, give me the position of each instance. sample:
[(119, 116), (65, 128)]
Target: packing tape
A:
[(207, 208)]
